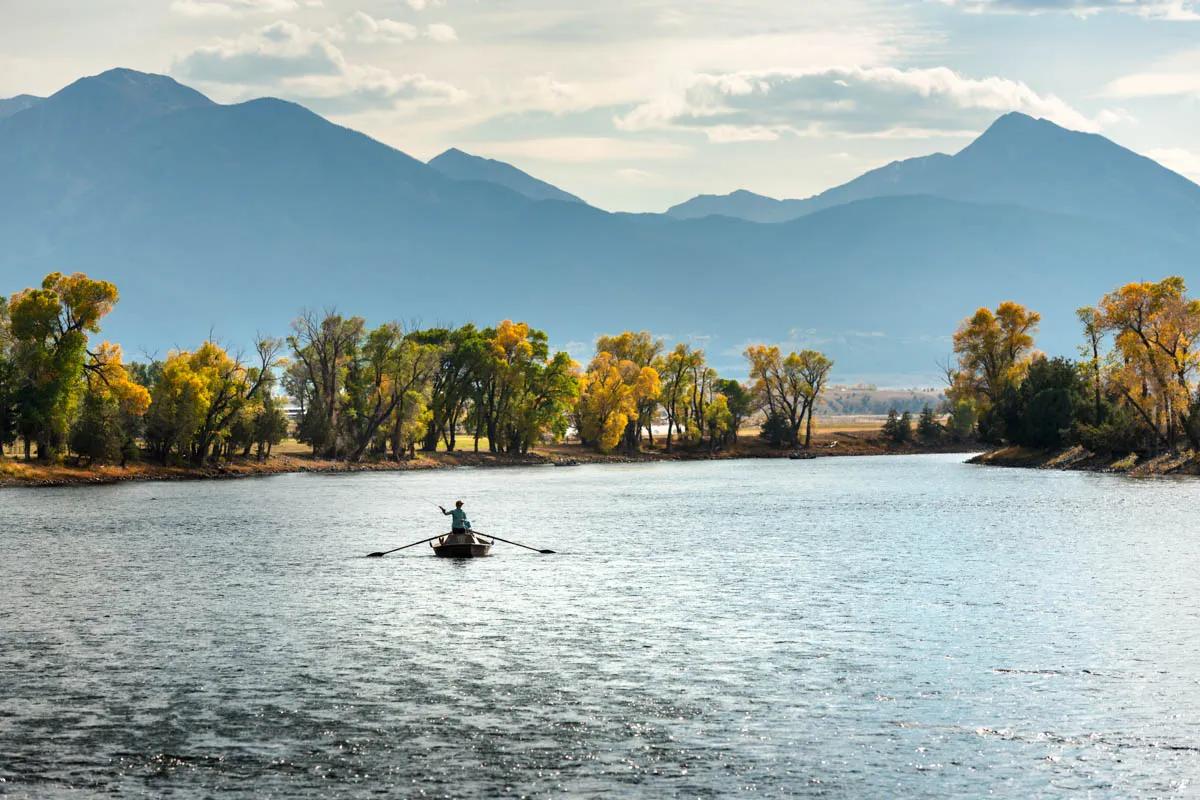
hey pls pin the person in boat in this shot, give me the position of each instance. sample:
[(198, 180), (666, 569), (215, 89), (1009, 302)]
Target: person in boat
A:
[(458, 518)]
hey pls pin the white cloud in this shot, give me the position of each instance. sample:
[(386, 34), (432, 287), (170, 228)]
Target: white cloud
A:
[(440, 32), (583, 149), (876, 102), (306, 66), (233, 8), (362, 27), (1175, 76), (421, 5), (1185, 162), (1188, 10)]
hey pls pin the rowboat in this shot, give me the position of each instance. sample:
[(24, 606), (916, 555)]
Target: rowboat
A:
[(461, 545)]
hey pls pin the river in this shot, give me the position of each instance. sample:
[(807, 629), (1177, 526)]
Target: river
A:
[(841, 627)]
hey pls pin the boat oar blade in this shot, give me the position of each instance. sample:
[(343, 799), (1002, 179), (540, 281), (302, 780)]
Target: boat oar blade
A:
[(518, 544), (405, 547)]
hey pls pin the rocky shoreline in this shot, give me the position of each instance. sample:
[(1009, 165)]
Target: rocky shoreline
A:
[(1079, 459)]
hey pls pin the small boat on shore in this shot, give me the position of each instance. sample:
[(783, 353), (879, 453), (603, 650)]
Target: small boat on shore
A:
[(461, 545)]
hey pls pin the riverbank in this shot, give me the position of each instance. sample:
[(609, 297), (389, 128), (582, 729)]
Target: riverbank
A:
[(1081, 460), (855, 442)]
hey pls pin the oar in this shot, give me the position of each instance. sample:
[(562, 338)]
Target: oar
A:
[(414, 544), (506, 541)]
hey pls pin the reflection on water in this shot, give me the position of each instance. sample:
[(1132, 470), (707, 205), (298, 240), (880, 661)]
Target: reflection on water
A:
[(906, 626)]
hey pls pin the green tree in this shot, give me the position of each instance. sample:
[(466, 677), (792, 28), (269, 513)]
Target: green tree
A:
[(929, 430), (740, 403), (898, 427), (49, 327)]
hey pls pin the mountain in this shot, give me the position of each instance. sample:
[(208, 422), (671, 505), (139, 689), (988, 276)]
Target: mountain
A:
[(460, 166), (1020, 161), (19, 103), (233, 218), (739, 205)]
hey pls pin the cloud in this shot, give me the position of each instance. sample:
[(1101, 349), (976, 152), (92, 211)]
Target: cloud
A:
[(362, 27), (306, 66), (1151, 9), (421, 5), (278, 51), (440, 32), (583, 149), (1185, 162), (1176, 76), (875, 102), (234, 8)]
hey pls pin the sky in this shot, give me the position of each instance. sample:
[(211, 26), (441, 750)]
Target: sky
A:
[(639, 104)]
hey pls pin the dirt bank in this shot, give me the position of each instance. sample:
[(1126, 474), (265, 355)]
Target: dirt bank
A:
[(832, 443)]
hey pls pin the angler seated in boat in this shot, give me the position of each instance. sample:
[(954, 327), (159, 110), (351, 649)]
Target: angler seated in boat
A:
[(458, 518), (461, 541)]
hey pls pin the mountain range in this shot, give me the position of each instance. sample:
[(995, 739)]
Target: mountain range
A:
[(232, 218)]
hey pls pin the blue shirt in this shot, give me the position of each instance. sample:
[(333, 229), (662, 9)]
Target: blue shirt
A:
[(459, 520)]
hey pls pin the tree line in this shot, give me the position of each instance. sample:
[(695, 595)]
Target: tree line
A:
[(1133, 388), (356, 391)]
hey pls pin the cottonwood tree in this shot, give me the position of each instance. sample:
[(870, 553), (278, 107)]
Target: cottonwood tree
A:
[(1155, 327), (324, 346)]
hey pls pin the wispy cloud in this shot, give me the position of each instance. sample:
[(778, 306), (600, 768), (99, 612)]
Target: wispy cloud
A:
[(234, 8), (1185, 162), (307, 66), (584, 149), (1177, 75), (1182, 10), (362, 27), (441, 32), (852, 101)]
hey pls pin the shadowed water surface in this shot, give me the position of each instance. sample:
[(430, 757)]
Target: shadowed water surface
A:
[(844, 627)]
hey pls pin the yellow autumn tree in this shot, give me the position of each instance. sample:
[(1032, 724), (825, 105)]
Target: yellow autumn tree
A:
[(611, 391), (1155, 327)]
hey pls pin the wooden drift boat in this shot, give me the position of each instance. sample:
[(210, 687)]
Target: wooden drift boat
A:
[(461, 545)]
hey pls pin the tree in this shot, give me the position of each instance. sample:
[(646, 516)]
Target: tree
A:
[(994, 350), (323, 346), (113, 405), (610, 392), (898, 427), (462, 354), (49, 328), (739, 402), (1154, 328), (1093, 330), (200, 395), (9, 397), (675, 371), (929, 430), (814, 369), (788, 388), (718, 421), (643, 350), (1043, 411)]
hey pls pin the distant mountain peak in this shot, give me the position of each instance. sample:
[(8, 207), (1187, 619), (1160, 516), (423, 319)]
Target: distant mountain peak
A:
[(463, 166), (15, 105), (120, 97)]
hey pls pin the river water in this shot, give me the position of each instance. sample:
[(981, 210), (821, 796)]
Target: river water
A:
[(843, 627)]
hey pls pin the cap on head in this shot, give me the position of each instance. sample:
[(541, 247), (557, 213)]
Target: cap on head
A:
[(458, 504)]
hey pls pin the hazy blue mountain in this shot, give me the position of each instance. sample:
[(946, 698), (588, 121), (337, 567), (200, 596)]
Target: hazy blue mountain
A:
[(233, 218), (460, 166), (740, 204), (12, 105), (1019, 161)]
